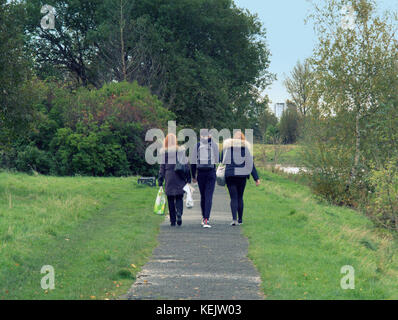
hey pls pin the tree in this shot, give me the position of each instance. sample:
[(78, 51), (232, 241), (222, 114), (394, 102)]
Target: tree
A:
[(202, 58), (288, 126), (299, 86), (354, 70), (16, 94)]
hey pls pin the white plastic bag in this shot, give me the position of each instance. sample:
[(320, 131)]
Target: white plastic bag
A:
[(189, 200), (221, 175)]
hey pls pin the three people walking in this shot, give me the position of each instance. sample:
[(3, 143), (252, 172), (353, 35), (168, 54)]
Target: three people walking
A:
[(239, 164)]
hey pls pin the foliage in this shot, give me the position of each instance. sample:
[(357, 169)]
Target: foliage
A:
[(299, 86), (352, 100), (383, 204), (89, 132), (15, 89), (182, 50), (289, 125)]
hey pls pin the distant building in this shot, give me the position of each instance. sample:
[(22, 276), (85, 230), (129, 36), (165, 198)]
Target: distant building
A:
[(279, 108)]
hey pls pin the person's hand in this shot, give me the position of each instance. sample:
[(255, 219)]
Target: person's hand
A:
[(258, 183)]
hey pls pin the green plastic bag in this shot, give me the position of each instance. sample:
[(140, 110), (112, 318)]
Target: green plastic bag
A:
[(160, 203)]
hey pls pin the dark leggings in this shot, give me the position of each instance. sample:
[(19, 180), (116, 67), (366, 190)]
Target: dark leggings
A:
[(236, 187), (207, 183), (175, 205)]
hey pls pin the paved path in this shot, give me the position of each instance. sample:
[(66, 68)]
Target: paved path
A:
[(196, 263)]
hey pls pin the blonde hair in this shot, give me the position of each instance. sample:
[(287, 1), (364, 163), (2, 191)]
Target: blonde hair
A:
[(170, 141), (239, 135)]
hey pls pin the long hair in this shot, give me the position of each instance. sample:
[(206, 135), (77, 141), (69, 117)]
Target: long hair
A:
[(239, 135), (170, 141)]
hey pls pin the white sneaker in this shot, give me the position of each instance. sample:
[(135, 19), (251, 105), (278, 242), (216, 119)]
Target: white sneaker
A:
[(234, 223), (203, 222), (206, 224)]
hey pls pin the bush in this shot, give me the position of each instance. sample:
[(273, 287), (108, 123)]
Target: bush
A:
[(31, 158), (383, 204), (89, 132)]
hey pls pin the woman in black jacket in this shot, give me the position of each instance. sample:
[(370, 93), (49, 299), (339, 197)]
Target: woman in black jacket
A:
[(239, 166), (174, 181)]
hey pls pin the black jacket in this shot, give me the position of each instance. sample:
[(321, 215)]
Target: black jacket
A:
[(174, 183), (238, 159), (214, 156)]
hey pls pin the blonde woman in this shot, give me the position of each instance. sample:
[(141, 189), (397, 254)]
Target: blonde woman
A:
[(239, 166), (174, 182)]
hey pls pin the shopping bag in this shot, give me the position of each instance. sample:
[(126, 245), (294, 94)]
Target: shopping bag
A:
[(220, 174), (189, 200), (160, 203)]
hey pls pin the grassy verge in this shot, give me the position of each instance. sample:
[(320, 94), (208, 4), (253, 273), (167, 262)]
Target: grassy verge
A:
[(287, 155), (95, 232), (299, 245)]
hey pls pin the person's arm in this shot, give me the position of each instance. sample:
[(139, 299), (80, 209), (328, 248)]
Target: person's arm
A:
[(193, 161), (254, 173)]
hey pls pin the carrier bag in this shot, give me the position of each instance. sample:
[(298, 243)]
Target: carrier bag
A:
[(160, 203)]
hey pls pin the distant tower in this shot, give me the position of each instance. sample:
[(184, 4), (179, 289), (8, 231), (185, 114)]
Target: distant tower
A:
[(279, 108)]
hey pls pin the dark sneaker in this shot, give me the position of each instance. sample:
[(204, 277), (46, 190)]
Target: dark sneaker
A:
[(179, 219)]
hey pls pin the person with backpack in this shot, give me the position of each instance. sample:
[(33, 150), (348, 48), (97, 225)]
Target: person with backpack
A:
[(173, 157), (203, 166), (239, 166)]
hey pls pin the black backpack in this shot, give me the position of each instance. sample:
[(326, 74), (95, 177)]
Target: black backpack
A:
[(204, 156)]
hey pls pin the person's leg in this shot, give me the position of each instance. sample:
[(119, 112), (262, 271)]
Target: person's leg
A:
[(202, 190), (233, 193), (210, 186), (172, 209), (179, 208), (241, 190)]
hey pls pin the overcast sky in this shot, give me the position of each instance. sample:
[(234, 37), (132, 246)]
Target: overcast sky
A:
[(289, 38)]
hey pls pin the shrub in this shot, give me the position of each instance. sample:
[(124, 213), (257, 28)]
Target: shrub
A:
[(31, 158), (89, 132), (383, 204)]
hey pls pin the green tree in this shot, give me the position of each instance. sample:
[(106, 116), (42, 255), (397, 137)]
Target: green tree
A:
[(355, 68), (288, 125), (299, 86), (203, 58), (16, 93)]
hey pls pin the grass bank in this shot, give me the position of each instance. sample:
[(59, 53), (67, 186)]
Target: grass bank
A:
[(95, 232), (300, 243), (285, 155)]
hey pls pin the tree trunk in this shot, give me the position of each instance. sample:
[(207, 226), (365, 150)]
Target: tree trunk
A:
[(123, 54), (354, 169)]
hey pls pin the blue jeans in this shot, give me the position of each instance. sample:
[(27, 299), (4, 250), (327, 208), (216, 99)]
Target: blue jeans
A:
[(207, 183)]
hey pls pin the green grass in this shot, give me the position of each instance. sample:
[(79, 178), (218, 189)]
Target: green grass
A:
[(299, 244), (289, 155), (95, 232)]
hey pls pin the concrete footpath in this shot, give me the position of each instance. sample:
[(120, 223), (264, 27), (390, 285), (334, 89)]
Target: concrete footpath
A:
[(192, 262)]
